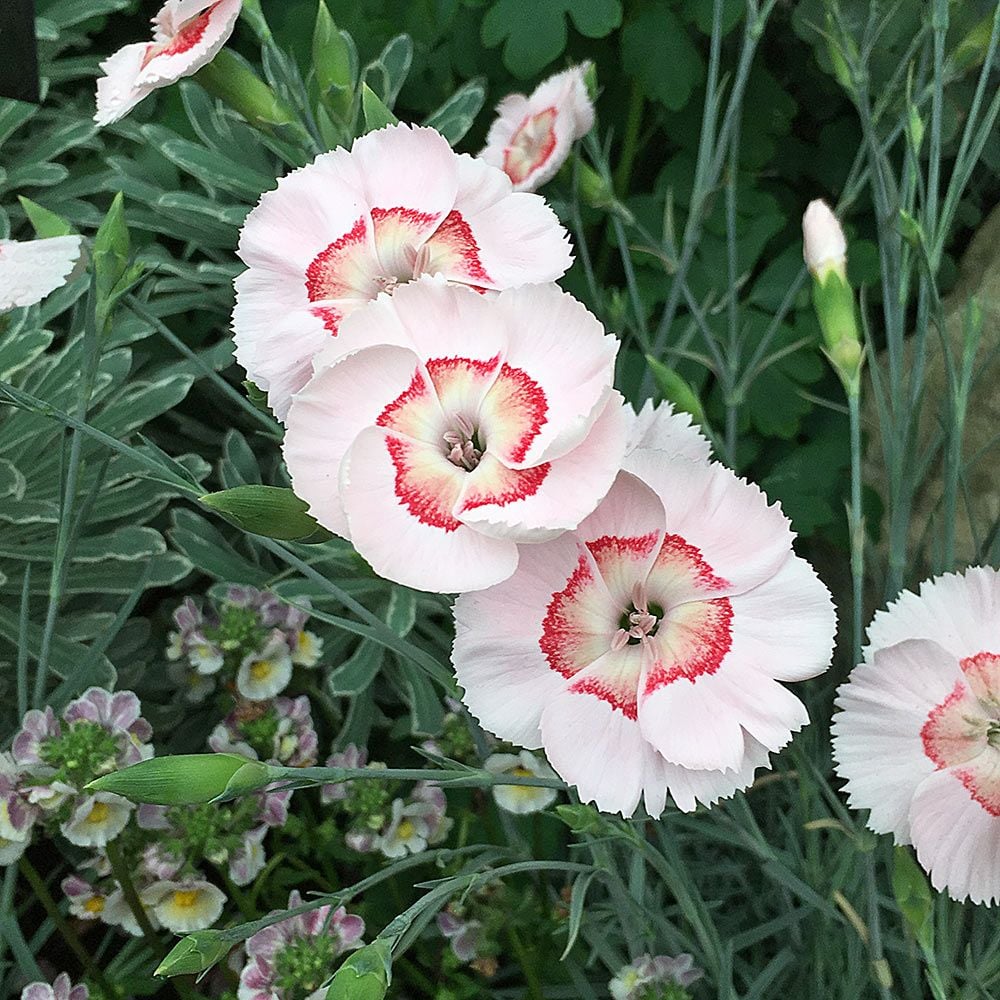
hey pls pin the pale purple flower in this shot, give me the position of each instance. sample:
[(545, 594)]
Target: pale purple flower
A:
[(159, 863), (273, 809), (464, 935), (151, 817), (17, 812), (351, 757), (295, 742), (361, 840), (86, 901), (432, 796), (118, 713), (246, 863), (258, 978), (37, 727), (61, 989), (408, 831), (631, 982)]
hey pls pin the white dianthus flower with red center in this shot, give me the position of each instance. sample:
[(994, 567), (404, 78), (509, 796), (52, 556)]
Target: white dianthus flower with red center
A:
[(532, 136), (917, 736), (475, 425), (644, 650), (354, 223), (187, 34)]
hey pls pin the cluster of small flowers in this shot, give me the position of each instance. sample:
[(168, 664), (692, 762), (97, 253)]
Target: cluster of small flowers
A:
[(474, 926), (377, 821), (252, 640), (278, 732), (295, 957), (43, 778), (658, 977), (61, 989)]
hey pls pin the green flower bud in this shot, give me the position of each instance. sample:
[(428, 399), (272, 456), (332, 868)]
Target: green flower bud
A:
[(913, 896), (187, 779), (675, 390), (365, 975), (230, 78), (579, 818), (197, 952), (336, 62), (267, 510)]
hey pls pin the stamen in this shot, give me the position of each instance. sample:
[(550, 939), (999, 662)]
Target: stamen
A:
[(460, 438), (387, 283), (619, 640)]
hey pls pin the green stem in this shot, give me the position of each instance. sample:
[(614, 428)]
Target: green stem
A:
[(74, 943), (630, 144), (856, 524), (123, 877), (535, 989)]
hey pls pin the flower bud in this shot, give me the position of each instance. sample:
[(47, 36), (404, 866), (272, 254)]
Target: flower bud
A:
[(676, 391), (197, 952), (187, 779), (824, 246), (271, 511), (365, 975)]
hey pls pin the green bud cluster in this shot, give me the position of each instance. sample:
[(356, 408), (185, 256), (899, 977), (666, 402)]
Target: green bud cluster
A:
[(260, 733), (83, 751), (368, 803), (303, 965), (455, 740), (239, 629)]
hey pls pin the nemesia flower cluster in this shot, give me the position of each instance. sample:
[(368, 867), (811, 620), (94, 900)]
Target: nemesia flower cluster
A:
[(296, 956), (251, 641), (655, 977), (378, 821), (61, 989), (52, 759)]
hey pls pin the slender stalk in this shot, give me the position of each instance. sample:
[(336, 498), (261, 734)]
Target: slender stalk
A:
[(856, 525), (630, 144), (22, 645), (535, 989), (74, 943), (123, 877)]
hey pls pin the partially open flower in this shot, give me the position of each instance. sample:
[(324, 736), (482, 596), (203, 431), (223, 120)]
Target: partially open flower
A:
[(532, 136), (918, 732), (651, 975), (296, 956), (824, 246), (190, 905), (463, 934), (352, 757), (18, 812), (248, 862), (61, 989), (187, 34), (521, 799), (33, 269), (333, 235), (86, 902), (475, 424), (644, 650)]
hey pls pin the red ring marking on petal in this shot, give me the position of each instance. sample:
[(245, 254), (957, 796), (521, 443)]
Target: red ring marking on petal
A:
[(400, 413), (515, 398), (983, 674), (707, 634), (511, 485), (562, 641), (329, 317), (676, 550), (454, 238), (427, 505), (528, 150), (322, 280), (190, 34), (974, 785), (623, 699)]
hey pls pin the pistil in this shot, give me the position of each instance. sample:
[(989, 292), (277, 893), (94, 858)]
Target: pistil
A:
[(462, 450)]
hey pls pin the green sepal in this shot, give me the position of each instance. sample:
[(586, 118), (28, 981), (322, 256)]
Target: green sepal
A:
[(271, 511), (365, 975), (913, 897), (833, 299), (376, 114)]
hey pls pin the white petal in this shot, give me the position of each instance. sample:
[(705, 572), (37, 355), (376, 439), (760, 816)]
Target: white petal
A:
[(29, 271)]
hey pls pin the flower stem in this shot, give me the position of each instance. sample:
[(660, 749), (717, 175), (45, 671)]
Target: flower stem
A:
[(124, 879), (527, 966), (43, 895), (856, 524)]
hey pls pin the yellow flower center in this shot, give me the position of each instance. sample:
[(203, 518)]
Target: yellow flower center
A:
[(260, 670), (521, 772), (94, 905), (406, 830), (186, 898), (99, 813)]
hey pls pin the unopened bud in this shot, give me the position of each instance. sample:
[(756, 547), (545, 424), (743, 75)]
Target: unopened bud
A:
[(186, 779), (197, 952), (824, 245), (365, 975)]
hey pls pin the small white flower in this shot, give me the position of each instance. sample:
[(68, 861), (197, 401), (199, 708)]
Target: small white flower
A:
[(308, 649), (407, 831), (187, 906), (97, 820), (205, 657), (265, 673), (521, 799)]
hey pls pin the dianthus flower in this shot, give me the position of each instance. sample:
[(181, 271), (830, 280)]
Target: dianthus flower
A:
[(917, 736), (32, 269), (532, 136), (475, 424), (335, 234), (295, 957), (644, 650), (187, 34)]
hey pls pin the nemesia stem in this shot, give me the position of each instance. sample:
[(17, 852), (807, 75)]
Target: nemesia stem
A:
[(50, 906), (123, 877)]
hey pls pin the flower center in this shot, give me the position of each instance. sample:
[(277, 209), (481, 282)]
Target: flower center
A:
[(81, 753), (94, 904), (638, 624), (99, 813), (463, 447), (260, 669), (186, 898), (406, 830)]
